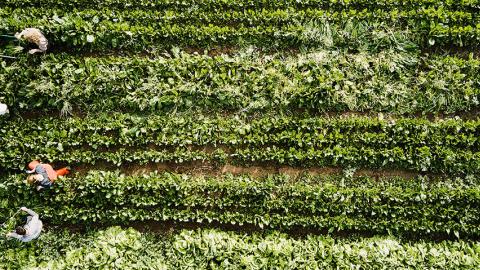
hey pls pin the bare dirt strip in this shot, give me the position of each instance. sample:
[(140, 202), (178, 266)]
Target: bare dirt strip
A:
[(199, 168), (173, 227)]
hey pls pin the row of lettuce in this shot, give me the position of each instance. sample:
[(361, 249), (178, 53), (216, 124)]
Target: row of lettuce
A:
[(118, 248), (419, 208), (232, 4), (248, 17), (319, 81), (75, 34), (443, 146), (106, 30)]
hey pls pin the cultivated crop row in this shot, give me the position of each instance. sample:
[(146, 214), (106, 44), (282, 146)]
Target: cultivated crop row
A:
[(401, 208), (212, 249), (75, 34), (320, 81), (92, 30), (240, 5), (247, 17), (443, 146)]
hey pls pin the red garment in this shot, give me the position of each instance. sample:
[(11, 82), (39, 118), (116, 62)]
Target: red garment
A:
[(62, 171)]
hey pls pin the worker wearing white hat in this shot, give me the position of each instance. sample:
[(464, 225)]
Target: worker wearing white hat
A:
[(36, 36), (3, 109)]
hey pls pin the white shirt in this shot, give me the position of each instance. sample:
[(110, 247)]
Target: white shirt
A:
[(33, 227), (3, 109)]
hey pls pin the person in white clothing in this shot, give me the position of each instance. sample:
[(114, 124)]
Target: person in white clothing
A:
[(36, 36), (3, 109), (31, 230)]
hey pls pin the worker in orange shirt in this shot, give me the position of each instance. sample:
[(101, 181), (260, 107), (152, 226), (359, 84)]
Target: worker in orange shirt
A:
[(45, 175)]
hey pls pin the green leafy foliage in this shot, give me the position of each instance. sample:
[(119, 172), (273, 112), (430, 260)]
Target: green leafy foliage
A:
[(286, 24), (109, 30), (116, 248), (268, 16), (268, 69), (444, 146), (231, 4), (319, 81), (399, 206)]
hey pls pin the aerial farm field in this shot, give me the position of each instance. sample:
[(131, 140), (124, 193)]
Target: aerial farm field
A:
[(244, 134)]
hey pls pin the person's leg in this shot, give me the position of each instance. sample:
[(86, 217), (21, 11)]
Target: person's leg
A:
[(62, 171)]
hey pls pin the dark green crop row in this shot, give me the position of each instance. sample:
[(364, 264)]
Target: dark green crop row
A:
[(276, 202), (438, 159), (116, 248), (414, 18), (443, 146), (320, 81), (76, 34), (253, 4), (92, 30)]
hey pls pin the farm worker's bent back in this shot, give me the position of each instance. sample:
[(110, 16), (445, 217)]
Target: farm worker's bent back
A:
[(45, 175), (31, 230)]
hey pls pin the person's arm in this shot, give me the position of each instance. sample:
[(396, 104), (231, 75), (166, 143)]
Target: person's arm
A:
[(14, 235), (36, 162), (19, 35), (39, 170), (34, 51), (30, 212)]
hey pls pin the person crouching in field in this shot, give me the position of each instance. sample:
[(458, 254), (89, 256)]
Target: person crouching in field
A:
[(45, 175), (36, 36), (31, 230)]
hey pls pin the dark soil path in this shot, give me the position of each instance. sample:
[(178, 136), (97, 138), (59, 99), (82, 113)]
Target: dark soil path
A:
[(172, 227)]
